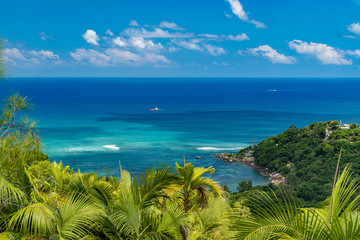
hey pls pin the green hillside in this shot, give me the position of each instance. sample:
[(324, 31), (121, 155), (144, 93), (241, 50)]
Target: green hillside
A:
[(307, 157)]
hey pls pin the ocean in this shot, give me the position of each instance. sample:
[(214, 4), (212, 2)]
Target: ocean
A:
[(93, 123)]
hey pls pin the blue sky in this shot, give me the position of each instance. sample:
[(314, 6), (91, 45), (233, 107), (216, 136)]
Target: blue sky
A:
[(212, 38)]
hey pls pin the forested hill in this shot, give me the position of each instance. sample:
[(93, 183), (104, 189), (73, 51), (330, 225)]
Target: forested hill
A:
[(307, 157)]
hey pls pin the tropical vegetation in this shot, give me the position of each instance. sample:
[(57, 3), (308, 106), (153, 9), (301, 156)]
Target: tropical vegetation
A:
[(40, 199)]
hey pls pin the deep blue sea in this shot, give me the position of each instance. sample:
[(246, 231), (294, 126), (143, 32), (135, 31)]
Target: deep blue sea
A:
[(92, 123)]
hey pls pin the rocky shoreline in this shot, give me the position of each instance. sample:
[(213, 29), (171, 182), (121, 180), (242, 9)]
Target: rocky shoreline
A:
[(275, 178)]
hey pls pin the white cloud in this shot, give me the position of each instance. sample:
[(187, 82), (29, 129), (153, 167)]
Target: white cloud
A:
[(194, 45), (238, 10), (31, 58), (139, 42), (220, 63), (44, 54), (214, 50), (354, 28), (155, 58), (90, 36), (188, 45), (170, 25), (353, 53), (239, 37), (91, 56), (119, 42), (116, 57), (14, 54), (156, 33), (326, 54), (119, 56), (227, 15), (109, 32), (44, 36), (349, 36), (271, 54), (134, 23)]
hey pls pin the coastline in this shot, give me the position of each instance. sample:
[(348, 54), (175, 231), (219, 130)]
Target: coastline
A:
[(274, 177)]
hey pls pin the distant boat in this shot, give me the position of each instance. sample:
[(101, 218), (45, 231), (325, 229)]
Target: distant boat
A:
[(154, 109)]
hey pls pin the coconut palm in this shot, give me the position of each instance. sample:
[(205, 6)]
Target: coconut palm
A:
[(75, 218), (138, 211), (193, 189)]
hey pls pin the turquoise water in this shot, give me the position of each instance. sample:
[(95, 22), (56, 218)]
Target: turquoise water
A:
[(92, 123)]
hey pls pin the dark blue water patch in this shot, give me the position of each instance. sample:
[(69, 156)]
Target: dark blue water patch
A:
[(225, 125)]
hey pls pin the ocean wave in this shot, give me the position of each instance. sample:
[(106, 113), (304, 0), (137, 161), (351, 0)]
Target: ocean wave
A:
[(216, 149), (84, 149), (111, 147)]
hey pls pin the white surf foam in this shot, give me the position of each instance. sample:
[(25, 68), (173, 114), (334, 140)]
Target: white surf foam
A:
[(84, 149), (112, 147), (216, 149)]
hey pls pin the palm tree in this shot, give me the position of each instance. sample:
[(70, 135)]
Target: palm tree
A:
[(138, 211), (75, 218), (193, 189), (338, 217)]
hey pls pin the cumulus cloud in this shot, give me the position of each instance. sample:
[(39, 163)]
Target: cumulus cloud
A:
[(188, 45), (91, 37), (119, 42), (214, 50), (44, 54), (109, 32), (31, 58), (170, 25), (120, 56), (116, 57), (156, 33), (353, 53), (155, 58), (134, 23), (271, 54), (324, 53), (196, 45), (238, 10), (91, 56), (14, 54), (354, 28), (139, 42)]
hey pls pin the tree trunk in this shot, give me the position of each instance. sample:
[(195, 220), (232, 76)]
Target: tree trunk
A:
[(184, 229), (184, 232)]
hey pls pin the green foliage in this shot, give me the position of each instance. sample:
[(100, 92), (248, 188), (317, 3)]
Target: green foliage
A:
[(3, 69), (307, 157), (285, 218), (244, 186)]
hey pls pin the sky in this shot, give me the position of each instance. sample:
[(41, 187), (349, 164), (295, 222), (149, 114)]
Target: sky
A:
[(188, 38)]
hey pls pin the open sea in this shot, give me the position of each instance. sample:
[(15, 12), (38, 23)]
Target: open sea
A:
[(92, 123)]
